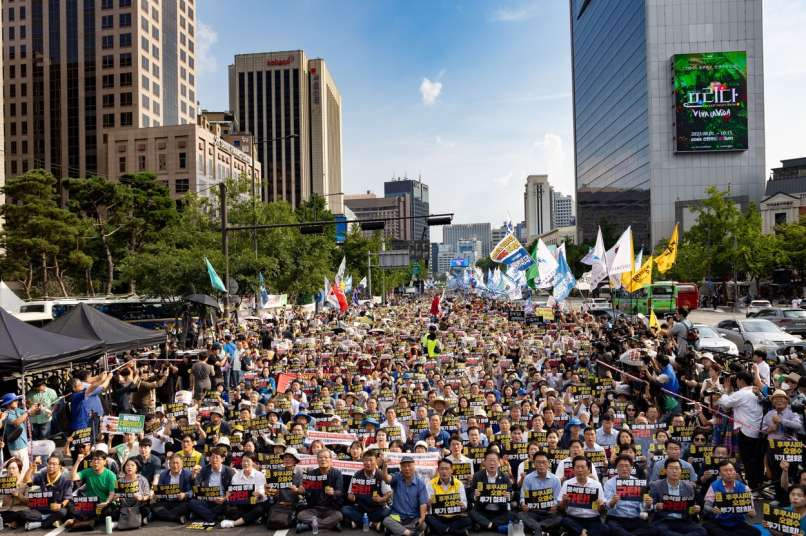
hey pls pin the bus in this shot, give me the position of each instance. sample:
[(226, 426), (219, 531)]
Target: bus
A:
[(146, 313), (664, 297)]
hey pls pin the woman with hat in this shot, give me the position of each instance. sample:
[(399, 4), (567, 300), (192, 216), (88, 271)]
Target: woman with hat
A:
[(15, 433), (781, 424)]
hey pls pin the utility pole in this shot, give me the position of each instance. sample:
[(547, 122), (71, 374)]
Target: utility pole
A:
[(222, 188), (369, 274)]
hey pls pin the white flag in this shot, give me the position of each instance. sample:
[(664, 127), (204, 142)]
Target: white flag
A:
[(546, 265), (620, 257), (341, 270), (597, 261)]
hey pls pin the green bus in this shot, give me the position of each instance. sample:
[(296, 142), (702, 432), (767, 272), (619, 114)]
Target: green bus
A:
[(664, 297)]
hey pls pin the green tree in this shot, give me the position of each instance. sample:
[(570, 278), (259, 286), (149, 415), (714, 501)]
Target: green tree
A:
[(792, 240)]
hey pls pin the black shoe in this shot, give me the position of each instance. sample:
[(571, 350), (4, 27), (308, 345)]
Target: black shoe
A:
[(302, 527)]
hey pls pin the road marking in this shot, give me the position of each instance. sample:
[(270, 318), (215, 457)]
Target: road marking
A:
[(56, 531), (282, 532)]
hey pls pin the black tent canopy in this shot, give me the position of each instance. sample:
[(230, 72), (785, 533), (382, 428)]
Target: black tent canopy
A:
[(25, 348), (86, 322)]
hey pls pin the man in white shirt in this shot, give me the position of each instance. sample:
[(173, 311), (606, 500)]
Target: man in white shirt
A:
[(581, 497), (248, 512), (396, 429), (565, 468), (747, 416), (760, 360)]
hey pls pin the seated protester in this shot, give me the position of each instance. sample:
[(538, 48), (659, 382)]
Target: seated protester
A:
[(448, 502), (133, 489), (190, 456), (565, 468), (13, 507), (492, 493), (409, 499), (284, 495), (624, 513), (673, 503), (526, 466), (590, 444), (673, 452), (150, 464), (367, 493), (99, 483), (606, 434), (728, 522), (111, 463), (516, 449), (636, 471), (457, 457), (127, 449), (540, 496), (708, 476), (441, 437), (217, 425), (797, 503), (209, 494), (322, 488), (781, 423), (580, 496), (53, 498), (245, 508), (173, 492)]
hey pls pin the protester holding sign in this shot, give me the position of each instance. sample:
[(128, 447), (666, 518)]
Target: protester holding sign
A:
[(580, 496), (368, 493), (540, 496), (13, 502), (323, 491), (409, 500), (210, 488), (492, 493), (673, 502), (627, 499), (448, 502), (54, 495), (727, 503), (172, 492), (246, 495), (284, 486), (99, 484)]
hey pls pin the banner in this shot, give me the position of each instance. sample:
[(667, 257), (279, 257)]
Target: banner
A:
[(272, 301), (509, 251), (330, 438), (666, 259)]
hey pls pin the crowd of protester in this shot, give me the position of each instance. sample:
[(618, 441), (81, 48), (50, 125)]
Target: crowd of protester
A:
[(398, 420)]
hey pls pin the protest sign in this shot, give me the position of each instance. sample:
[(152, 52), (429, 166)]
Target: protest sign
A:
[(733, 502), (539, 499), (789, 450), (241, 494), (445, 504), (582, 497), (630, 489), (781, 520), (167, 492), (493, 493)]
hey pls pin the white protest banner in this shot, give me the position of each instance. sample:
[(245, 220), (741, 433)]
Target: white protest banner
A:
[(330, 438)]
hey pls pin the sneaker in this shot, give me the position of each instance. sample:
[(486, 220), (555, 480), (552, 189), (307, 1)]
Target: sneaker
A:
[(145, 521), (57, 524), (227, 524), (32, 525)]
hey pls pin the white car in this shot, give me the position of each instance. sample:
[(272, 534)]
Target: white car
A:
[(711, 341), (755, 334), (756, 306), (595, 304)]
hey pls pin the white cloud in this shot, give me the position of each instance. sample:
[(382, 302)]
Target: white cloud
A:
[(516, 14), (442, 142), (430, 91), (552, 159), (206, 37)]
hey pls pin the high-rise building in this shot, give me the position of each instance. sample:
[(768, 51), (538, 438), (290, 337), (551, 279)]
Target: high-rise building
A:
[(538, 205), (452, 234), (293, 109), (416, 194), (75, 69), (668, 99), (563, 210), (3, 147), (371, 207)]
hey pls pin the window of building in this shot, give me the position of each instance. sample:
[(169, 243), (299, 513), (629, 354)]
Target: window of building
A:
[(24, 146), (23, 32), (191, 79), (191, 95), (126, 99), (107, 81), (144, 43), (155, 32), (22, 12), (146, 120), (109, 120), (155, 87), (144, 5), (23, 51), (144, 23), (125, 20), (183, 160), (14, 167), (141, 162), (155, 14), (11, 53), (13, 129), (12, 109), (144, 62), (13, 147), (126, 119), (155, 107), (183, 73), (107, 41), (182, 39), (144, 82), (23, 108), (108, 61), (191, 62), (155, 51), (11, 13), (122, 164), (23, 70), (23, 89), (156, 70), (11, 33), (780, 218), (125, 59), (107, 21), (183, 107), (125, 40), (183, 90), (125, 3), (24, 127), (182, 22), (162, 162), (107, 4), (190, 14), (12, 90), (125, 79), (190, 45), (183, 55), (182, 186), (146, 102), (108, 101)]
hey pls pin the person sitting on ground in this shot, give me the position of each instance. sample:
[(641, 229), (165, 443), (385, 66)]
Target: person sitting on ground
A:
[(490, 512), (448, 502), (409, 499), (720, 523), (251, 479), (368, 493), (173, 506), (322, 488), (215, 478)]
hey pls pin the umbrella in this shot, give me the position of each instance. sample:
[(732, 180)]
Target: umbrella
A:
[(202, 299)]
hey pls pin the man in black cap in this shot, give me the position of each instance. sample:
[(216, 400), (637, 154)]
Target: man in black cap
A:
[(409, 501)]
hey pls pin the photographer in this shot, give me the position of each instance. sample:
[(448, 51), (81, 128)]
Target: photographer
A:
[(747, 416)]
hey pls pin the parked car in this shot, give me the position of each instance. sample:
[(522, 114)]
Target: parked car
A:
[(755, 334), (712, 341), (595, 304), (756, 306), (790, 320)]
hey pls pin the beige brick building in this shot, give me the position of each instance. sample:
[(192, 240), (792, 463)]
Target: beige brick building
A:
[(186, 158), (75, 70)]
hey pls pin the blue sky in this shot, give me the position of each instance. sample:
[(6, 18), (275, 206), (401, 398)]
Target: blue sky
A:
[(472, 95)]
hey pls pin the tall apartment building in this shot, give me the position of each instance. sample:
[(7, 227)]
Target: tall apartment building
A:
[(75, 69), (563, 210), (452, 234), (416, 194), (538, 205), (371, 207), (668, 100), (292, 107)]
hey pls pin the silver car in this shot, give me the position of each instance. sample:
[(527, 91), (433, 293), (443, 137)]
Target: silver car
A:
[(755, 334), (711, 341), (756, 306), (790, 320)]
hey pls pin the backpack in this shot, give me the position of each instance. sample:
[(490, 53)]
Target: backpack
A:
[(692, 333)]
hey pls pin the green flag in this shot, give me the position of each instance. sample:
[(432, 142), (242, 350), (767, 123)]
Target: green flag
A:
[(532, 273)]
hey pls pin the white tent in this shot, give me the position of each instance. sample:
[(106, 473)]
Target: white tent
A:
[(8, 300)]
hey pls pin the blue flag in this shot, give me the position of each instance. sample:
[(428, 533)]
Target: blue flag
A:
[(564, 281), (264, 295), (215, 281)]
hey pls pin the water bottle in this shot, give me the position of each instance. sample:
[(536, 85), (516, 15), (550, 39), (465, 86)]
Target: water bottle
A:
[(315, 526), (2, 525), (510, 529), (365, 523), (108, 524)]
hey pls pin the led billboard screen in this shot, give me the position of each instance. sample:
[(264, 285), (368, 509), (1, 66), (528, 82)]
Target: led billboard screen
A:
[(710, 91)]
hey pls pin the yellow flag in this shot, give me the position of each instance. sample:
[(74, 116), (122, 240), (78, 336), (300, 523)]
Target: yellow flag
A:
[(642, 277), (653, 320), (666, 259), (625, 277)]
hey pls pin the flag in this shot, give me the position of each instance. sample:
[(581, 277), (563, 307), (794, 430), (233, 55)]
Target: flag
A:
[(509, 251), (653, 320), (263, 298), (532, 274), (348, 285), (330, 295), (597, 261), (641, 278), (564, 281), (435, 305), (340, 271), (546, 263), (665, 260), (215, 281), (340, 298), (626, 277), (620, 257), (363, 282)]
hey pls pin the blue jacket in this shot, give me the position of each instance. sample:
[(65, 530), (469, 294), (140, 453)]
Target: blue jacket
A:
[(728, 520), (185, 479)]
